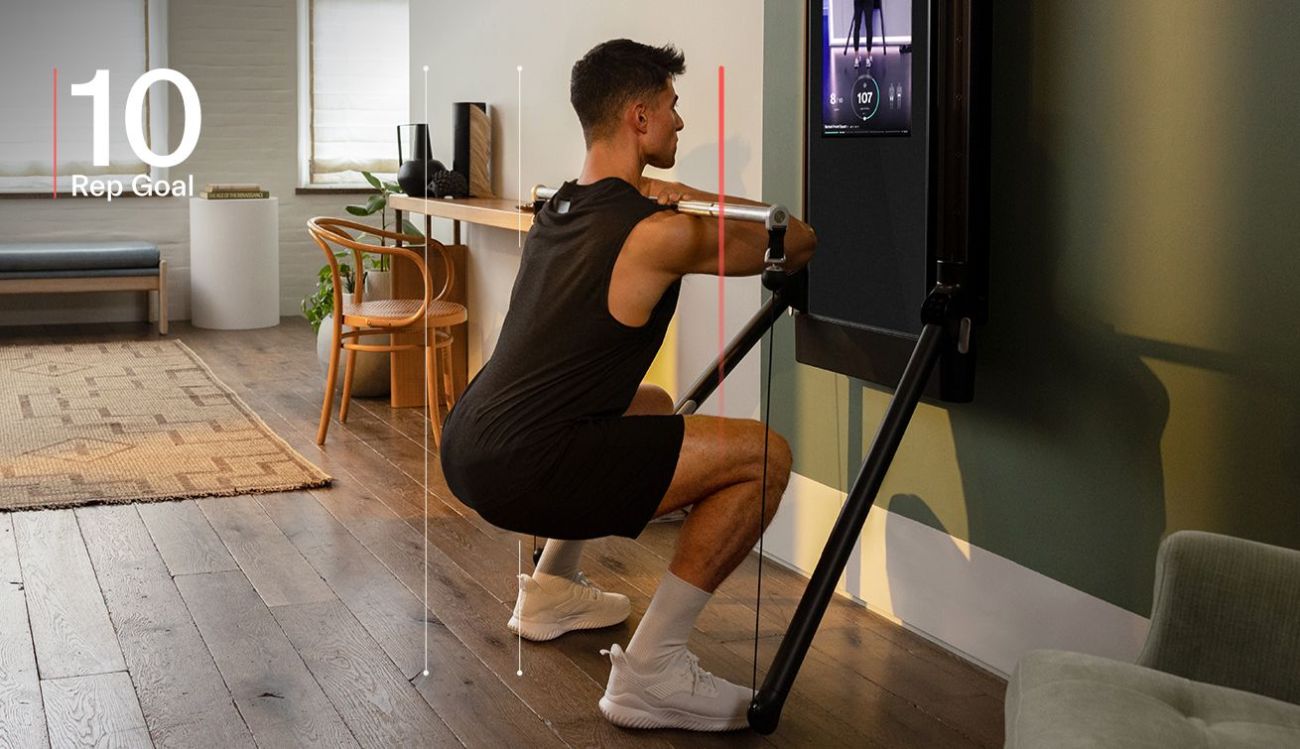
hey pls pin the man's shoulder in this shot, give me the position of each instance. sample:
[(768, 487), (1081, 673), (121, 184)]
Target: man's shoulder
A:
[(664, 239)]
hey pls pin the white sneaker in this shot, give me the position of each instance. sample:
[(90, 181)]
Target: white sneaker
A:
[(550, 606), (680, 695)]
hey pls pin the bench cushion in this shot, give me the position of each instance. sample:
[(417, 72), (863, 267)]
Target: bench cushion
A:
[(43, 257), (1064, 700), (97, 273)]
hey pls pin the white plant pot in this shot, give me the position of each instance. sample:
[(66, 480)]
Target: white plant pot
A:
[(371, 378)]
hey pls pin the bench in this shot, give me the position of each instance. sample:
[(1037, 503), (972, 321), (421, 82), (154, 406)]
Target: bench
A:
[(58, 267)]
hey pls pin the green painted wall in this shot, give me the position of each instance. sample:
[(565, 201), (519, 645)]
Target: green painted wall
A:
[(1140, 372)]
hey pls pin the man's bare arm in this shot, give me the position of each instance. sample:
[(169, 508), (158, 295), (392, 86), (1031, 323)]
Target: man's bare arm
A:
[(689, 244)]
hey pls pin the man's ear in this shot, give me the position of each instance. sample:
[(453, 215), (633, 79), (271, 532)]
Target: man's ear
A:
[(639, 119)]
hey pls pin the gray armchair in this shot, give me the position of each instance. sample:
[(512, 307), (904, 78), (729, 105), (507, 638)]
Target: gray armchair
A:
[(1220, 668)]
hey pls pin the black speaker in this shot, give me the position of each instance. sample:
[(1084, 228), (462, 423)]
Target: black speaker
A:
[(472, 152)]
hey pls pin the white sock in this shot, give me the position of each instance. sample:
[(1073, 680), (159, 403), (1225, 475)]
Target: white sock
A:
[(560, 559), (667, 624)]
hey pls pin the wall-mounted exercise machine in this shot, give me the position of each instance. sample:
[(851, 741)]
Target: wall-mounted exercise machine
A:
[(896, 183)]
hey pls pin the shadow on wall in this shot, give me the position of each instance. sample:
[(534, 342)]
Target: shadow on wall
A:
[(909, 598), (1060, 454), (1067, 419), (1114, 206)]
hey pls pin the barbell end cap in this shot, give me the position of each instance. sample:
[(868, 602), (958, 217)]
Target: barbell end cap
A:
[(777, 217)]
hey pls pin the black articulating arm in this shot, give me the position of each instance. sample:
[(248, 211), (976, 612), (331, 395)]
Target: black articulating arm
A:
[(945, 333)]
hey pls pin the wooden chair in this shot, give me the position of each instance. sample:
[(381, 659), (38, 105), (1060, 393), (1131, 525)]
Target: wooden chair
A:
[(430, 315)]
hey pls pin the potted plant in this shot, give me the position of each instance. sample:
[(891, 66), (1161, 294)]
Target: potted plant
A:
[(372, 370)]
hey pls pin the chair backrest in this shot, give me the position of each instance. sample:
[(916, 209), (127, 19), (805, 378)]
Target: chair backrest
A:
[(327, 231), (1226, 612)]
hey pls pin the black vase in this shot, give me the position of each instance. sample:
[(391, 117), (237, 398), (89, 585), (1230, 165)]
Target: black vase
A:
[(414, 176)]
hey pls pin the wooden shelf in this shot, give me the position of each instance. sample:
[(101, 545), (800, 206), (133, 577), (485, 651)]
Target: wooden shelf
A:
[(498, 212)]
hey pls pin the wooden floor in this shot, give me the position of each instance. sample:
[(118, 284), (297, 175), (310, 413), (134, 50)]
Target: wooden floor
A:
[(296, 619)]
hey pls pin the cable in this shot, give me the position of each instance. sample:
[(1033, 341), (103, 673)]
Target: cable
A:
[(762, 503)]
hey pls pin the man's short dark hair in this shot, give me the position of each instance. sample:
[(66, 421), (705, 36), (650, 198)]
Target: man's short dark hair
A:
[(615, 73)]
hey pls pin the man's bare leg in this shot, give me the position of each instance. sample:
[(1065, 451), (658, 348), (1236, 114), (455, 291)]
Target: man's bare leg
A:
[(720, 470)]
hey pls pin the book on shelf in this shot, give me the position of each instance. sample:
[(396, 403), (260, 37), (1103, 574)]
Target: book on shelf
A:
[(235, 195), (232, 187)]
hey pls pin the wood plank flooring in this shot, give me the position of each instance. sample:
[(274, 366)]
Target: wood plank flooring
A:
[(310, 618)]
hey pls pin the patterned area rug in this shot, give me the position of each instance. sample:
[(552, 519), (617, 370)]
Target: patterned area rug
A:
[(131, 421)]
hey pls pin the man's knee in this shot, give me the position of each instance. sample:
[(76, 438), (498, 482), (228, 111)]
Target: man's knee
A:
[(780, 459), (663, 402), (651, 400)]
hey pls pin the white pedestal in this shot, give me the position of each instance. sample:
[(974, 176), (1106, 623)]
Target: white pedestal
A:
[(234, 263)]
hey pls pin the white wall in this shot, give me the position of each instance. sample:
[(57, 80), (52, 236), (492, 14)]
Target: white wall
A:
[(472, 50), (243, 63)]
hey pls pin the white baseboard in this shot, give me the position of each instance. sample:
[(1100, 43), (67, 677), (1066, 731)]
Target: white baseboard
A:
[(982, 606)]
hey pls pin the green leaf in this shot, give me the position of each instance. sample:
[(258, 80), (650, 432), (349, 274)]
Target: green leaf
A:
[(358, 210), (392, 187), (373, 180), (409, 228), (375, 204)]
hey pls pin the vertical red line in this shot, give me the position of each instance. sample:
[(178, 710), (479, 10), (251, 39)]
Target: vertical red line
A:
[(55, 186), (722, 224)]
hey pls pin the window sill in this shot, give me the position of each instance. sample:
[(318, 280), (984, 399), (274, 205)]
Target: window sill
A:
[(321, 190), (50, 196)]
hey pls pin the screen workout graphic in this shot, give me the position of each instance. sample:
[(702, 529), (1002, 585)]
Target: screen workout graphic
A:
[(866, 67)]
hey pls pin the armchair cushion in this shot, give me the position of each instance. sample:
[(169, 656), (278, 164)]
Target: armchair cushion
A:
[(1067, 700)]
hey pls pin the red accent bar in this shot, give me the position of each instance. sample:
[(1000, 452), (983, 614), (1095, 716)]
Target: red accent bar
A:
[(55, 186), (722, 257)]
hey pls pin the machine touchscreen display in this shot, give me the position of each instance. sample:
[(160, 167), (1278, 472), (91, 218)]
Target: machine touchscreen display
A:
[(866, 67)]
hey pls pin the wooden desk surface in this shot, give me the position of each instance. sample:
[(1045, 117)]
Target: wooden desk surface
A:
[(498, 212)]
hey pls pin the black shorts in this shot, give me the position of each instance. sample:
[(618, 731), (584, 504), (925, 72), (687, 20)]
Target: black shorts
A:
[(594, 478)]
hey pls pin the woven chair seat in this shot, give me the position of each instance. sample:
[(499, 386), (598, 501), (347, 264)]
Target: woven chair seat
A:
[(385, 312)]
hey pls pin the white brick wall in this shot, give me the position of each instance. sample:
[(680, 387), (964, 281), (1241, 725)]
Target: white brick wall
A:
[(242, 58)]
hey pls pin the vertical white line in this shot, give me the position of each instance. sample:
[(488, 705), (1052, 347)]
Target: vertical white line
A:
[(519, 638), (427, 343), (519, 236), (519, 154)]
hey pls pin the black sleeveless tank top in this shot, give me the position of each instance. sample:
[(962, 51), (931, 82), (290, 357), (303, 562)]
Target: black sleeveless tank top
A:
[(562, 357)]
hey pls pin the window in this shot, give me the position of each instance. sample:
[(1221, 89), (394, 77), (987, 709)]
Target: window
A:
[(354, 88), (124, 37)]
